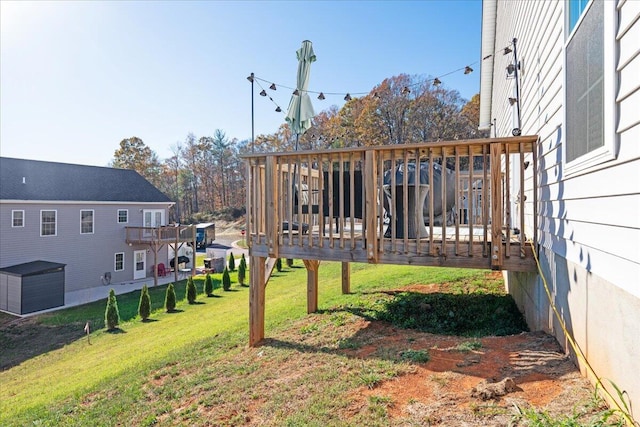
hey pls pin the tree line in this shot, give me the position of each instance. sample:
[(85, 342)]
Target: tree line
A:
[(205, 176)]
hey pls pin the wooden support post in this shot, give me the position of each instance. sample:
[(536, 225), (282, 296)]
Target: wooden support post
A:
[(312, 284), (371, 203), (346, 278), (257, 288), (496, 206)]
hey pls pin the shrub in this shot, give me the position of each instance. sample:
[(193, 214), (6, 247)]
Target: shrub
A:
[(242, 272), (289, 262), (144, 308), (232, 262), (170, 299), (208, 285), (226, 280), (279, 264), (192, 293), (111, 314), (243, 261)]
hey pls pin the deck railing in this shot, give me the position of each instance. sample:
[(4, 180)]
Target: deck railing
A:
[(444, 203), (161, 234)]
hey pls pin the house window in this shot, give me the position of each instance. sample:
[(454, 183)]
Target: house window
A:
[(48, 223), (589, 84), (86, 222), (17, 218), (123, 216), (119, 262)]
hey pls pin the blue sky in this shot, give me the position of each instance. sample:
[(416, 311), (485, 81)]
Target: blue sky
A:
[(78, 77)]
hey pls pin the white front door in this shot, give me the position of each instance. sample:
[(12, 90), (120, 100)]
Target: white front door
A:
[(139, 264)]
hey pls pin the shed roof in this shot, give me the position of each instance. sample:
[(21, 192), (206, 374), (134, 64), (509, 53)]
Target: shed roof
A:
[(32, 268), (37, 180)]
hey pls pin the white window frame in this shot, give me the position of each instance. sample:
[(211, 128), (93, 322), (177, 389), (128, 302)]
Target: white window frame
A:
[(93, 221), (609, 150), (115, 261), (126, 212), (55, 223), (13, 218)]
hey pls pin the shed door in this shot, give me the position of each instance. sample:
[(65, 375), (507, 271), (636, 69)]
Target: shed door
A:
[(139, 264)]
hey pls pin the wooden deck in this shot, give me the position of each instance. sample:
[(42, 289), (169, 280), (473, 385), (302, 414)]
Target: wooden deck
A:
[(157, 237), (431, 204)]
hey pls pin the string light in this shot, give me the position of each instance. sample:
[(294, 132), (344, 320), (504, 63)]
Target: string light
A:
[(436, 81)]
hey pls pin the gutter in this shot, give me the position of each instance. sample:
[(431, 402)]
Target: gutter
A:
[(489, 12)]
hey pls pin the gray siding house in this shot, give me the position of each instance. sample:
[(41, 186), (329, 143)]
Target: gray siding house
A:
[(77, 216), (569, 71)]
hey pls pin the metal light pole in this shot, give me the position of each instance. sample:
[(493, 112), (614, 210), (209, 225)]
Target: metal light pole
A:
[(251, 78)]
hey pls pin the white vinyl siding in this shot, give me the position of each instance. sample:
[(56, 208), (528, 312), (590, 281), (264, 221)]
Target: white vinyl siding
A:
[(123, 216), (17, 218), (86, 222), (48, 222)]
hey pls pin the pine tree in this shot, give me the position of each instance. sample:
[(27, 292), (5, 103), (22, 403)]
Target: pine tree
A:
[(232, 262), (192, 293), (243, 261), (170, 299), (208, 285), (242, 272), (144, 308), (279, 264), (226, 280), (111, 314)]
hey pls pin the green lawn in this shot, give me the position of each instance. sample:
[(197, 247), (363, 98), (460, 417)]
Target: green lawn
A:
[(109, 381)]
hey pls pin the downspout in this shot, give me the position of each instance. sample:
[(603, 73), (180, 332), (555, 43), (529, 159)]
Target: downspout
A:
[(489, 12)]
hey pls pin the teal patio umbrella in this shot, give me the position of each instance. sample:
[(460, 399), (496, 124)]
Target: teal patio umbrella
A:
[(300, 110)]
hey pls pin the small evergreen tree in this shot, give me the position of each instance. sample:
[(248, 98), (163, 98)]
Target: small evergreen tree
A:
[(170, 299), (111, 314), (243, 261), (289, 262), (242, 272), (144, 308), (232, 262), (192, 293), (226, 280), (208, 285), (279, 264)]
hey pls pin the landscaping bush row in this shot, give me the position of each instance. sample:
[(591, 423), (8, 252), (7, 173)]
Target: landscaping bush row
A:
[(112, 316)]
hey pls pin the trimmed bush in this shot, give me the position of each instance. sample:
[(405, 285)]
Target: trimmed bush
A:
[(243, 261), (226, 280), (242, 272), (192, 293), (279, 264), (170, 299), (289, 262), (144, 308), (232, 262), (111, 314), (208, 285)]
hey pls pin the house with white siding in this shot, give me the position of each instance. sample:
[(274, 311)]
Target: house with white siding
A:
[(102, 224), (569, 71)]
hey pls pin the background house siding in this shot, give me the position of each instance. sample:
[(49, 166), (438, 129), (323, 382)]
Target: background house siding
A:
[(87, 256), (589, 221)]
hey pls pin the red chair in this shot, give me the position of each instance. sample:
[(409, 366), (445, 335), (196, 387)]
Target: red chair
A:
[(162, 270)]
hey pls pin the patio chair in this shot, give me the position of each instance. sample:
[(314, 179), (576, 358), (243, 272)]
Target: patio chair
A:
[(162, 271)]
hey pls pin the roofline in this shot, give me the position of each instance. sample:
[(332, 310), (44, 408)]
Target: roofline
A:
[(77, 202)]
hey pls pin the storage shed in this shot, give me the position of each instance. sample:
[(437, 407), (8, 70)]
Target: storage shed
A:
[(32, 286)]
